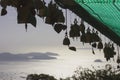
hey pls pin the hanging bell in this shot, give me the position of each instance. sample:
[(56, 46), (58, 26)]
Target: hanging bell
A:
[(75, 31), (71, 33), (25, 9), (111, 51), (88, 36), (82, 27), (118, 67), (58, 28), (3, 12), (95, 37), (66, 40), (51, 14), (106, 52), (23, 14), (100, 45), (113, 48)]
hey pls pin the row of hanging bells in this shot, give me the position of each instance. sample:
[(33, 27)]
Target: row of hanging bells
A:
[(27, 9), (90, 37), (86, 36)]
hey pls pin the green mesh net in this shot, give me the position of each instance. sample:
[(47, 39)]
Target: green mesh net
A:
[(105, 11)]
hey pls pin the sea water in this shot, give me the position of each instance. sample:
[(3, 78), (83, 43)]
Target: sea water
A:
[(18, 70)]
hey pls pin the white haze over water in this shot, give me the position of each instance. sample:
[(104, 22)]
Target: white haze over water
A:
[(57, 68), (63, 66)]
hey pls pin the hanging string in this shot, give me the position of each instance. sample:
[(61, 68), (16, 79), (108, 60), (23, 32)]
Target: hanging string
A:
[(70, 18), (118, 51), (66, 20)]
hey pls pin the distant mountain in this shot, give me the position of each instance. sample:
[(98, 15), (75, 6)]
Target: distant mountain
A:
[(6, 56)]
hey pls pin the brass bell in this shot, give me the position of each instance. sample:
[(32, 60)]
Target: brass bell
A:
[(118, 66), (66, 40), (82, 27), (3, 12), (100, 45), (95, 37), (88, 36), (58, 28), (75, 30)]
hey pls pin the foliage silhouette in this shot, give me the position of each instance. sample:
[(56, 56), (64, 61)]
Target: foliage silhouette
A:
[(109, 73), (40, 77)]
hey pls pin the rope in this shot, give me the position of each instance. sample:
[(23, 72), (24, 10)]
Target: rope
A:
[(66, 20), (118, 51)]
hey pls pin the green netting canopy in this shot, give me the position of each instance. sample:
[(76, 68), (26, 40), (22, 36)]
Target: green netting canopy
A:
[(106, 11), (104, 15)]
